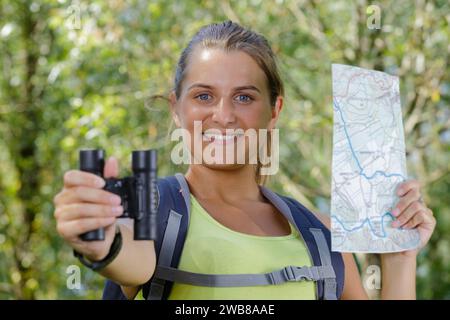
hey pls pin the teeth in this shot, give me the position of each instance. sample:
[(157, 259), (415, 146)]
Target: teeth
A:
[(220, 136)]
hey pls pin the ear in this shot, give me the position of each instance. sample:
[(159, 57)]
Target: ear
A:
[(173, 108), (275, 112)]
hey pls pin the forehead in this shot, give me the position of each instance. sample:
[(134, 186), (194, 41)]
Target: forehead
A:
[(222, 69)]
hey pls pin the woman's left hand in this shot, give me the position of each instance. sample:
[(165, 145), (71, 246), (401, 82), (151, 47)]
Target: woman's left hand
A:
[(411, 212)]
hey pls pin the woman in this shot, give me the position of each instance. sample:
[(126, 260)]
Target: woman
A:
[(227, 79)]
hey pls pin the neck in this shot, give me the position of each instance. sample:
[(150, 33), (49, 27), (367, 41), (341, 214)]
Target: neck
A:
[(226, 185)]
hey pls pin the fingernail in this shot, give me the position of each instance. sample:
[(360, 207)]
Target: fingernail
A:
[(117, 210), (395, 224), (395, 212), (99, 183), (115, 200), (400, 191)]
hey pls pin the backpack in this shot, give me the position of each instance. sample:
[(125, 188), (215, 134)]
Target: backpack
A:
[(172, 224)]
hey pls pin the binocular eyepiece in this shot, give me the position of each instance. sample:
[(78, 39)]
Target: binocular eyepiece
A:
[(138, 193)]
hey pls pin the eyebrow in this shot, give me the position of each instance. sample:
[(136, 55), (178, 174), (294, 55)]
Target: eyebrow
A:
[(201, 85)]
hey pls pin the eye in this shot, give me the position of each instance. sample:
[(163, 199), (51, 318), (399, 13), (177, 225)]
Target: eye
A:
[(203, 97), (244, 98)]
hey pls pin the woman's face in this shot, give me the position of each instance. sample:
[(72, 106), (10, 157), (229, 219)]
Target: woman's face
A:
[(223, 90)]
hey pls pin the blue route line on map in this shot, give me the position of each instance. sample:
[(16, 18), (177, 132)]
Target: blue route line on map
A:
[(361, 173), (368, 221)]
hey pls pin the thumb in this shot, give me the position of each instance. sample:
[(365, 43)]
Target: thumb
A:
[(111, 168)]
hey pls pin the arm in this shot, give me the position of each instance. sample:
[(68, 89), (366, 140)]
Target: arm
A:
[(130, 292), (399, 268), (398, 277), (83, 206), (135, 263)]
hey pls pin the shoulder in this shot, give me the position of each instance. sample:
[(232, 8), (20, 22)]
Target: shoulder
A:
[(324, 218)]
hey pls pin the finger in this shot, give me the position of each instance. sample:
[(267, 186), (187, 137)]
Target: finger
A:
[(111, 169), (405, 201), (85, 194), (80, 178), (429, 218), (408, 213), (73, 228), (406, 186), (83, 210), (420, 218)]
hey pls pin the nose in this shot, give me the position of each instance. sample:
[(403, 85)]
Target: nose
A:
[(223, 113)]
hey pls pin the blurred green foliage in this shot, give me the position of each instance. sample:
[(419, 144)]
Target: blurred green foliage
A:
[(78, 74)]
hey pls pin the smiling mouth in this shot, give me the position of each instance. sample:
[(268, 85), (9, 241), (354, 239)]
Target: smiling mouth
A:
[(221, 138)]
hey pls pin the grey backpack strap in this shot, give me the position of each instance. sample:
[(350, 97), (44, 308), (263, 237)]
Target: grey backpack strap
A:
[(329, 288), (184, 190), (169, 240), (279, 204), (166, 253), (290, 273)]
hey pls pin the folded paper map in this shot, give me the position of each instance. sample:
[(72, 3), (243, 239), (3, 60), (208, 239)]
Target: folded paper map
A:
[(368, 162)]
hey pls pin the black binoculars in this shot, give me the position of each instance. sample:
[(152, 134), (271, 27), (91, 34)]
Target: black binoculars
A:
[(138, 193)]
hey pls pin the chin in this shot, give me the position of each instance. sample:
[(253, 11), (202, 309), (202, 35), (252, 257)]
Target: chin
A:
[(224, 167)]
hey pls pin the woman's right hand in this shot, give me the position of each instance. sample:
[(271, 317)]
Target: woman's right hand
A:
[(82, 205)]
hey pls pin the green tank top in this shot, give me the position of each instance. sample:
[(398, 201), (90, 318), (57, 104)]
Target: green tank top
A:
[(212, 248)]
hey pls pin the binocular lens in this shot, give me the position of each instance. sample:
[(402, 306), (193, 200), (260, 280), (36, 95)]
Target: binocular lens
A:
[(92, 161), (144, 160)]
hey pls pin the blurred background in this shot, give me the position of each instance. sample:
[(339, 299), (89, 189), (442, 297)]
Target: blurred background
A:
[(86, 74)]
